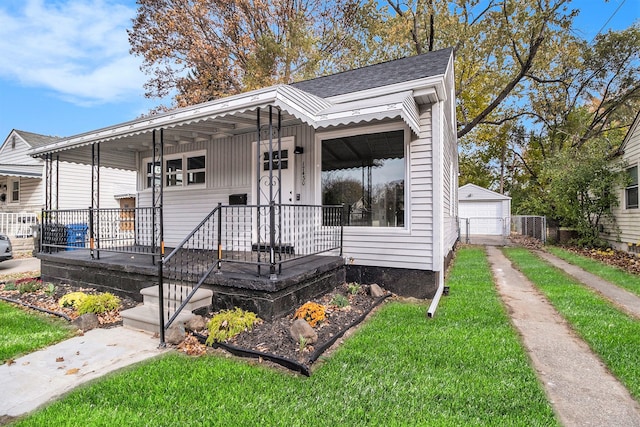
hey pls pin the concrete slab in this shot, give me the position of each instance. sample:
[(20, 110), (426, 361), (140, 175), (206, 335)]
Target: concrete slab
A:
[(37, 378)]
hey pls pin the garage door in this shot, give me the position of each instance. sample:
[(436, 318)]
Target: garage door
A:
[(484, 217)]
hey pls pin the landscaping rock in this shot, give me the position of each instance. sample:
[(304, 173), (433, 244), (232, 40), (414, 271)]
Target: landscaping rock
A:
[(86, 322), (300, 328), (196, 323), (175, 335), (376, 291)]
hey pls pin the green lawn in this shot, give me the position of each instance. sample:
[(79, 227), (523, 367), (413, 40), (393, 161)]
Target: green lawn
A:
[(23, 332), (617, 276), (611, 334), (464, 367)]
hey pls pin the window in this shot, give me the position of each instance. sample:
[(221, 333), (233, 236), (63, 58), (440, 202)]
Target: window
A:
[(631, 192), (174, 174), (158, 172), (366, 173), (14, 188), (195, 170)]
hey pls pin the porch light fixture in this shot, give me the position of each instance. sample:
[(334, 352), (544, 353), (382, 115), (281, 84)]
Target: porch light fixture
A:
[(298, 150)]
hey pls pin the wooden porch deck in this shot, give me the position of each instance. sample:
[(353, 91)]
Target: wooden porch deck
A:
[(235, 285)]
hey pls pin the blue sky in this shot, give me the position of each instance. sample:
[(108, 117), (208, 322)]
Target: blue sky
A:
[(66, 67)]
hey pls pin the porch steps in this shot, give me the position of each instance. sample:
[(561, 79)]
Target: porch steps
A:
[(146, 317)]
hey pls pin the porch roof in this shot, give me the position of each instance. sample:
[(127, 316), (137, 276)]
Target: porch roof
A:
[(22, 171), (230, 116)]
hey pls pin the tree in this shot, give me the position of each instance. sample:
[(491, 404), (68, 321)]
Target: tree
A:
[(205, 49), (581, 188)]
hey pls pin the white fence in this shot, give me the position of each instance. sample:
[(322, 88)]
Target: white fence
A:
[(18, 225)]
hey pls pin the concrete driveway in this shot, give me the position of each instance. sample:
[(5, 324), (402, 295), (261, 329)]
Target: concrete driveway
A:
[(19, 265)]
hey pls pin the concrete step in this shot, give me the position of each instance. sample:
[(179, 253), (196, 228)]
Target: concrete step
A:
[(202, 297), (146, 318)]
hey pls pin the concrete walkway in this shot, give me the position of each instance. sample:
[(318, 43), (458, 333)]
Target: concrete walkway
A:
[(624, 299), (580, 388), (38, 378)]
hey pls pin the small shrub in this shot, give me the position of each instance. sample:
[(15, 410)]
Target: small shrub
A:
[(72, 299), (311, 312), (229, 323), (10, 286), (353, 288), (50, 289), (339, 301), (29, 285), (98, 304)]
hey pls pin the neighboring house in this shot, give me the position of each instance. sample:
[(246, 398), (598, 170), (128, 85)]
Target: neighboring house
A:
[(22, 183), (483, 212), (380, 139), (625, 233)]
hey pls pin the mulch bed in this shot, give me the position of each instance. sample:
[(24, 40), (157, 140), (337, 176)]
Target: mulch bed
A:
[(273, 338), (47, 299), (624, 260)]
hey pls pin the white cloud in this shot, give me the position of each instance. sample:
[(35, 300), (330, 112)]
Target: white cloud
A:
[(76, 48)]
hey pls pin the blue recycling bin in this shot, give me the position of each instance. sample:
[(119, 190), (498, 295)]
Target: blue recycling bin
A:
[(76, 235)]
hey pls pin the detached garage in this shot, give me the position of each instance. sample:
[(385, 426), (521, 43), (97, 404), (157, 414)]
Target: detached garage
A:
[(483, 212)]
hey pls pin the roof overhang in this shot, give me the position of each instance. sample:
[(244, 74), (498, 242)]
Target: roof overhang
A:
[(238, 114), (21, 171)]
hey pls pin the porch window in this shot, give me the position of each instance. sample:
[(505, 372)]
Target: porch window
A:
[(150, 173), (14, 188), (174, 173), (631, 192), (366, 173), (195, 170)]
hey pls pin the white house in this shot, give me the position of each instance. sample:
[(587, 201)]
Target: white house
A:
[(22, 183), (379, 139), (483, 211), (624, 234)]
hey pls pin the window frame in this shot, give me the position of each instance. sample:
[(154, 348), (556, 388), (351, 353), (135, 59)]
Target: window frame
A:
[(320, 137), (631, 187), (184, 184), (11, 190)]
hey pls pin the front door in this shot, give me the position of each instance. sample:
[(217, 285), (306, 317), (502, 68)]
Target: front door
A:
[(279, 185)]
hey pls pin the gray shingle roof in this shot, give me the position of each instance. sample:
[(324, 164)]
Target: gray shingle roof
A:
[(36, 140), (378, 75)]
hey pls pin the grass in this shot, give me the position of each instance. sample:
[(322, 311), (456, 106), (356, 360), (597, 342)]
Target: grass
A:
[(611, 334), (463, 367), (617, 276), (23, 332)]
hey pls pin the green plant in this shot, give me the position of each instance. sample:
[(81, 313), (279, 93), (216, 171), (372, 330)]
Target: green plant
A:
[(339, 301), (97, 304), (229, 323), (50, 289), (312, 312), (29, 285), (72, 299), (10, 286), (302, 343), (353, 288)]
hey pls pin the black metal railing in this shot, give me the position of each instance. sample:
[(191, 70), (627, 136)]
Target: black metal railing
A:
[(129, 230), (266, 237)]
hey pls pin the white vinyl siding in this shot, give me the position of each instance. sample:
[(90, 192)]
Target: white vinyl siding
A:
[(228, 171), (626, 230)]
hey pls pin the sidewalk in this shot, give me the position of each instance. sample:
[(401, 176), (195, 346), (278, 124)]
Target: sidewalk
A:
[(38, 378), (580, 388)]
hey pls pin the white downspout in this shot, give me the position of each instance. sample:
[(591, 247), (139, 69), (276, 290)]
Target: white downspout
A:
[(438, 202)]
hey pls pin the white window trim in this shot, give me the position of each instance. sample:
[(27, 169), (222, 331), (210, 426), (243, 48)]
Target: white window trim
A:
[(10, 183), (637, 186), (364, 130), (184, 156)]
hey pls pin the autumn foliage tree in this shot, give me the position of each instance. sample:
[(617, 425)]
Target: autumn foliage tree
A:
[(204, 49)]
